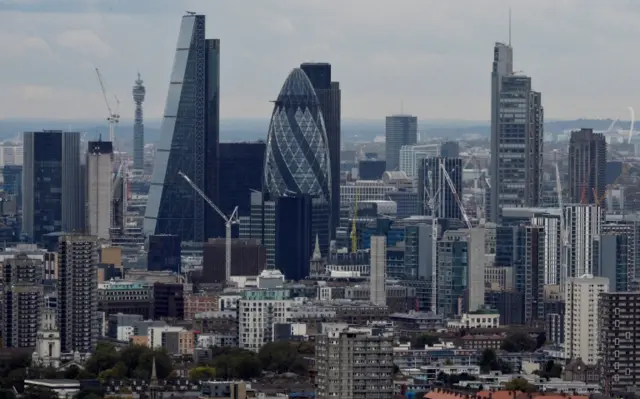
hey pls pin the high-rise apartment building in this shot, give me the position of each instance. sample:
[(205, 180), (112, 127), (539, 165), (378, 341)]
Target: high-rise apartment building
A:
[(188, 140), (138, 126), (516, 137), (552, 252), (77, 293), (99, 188), (587, 167), (51, 193), (433, 182), (451, 272), (258, 311), (378, 262), (581, 335), (22, 301), (330, 99), (583, 229), (355, 363), (619, 341), (400, 130)]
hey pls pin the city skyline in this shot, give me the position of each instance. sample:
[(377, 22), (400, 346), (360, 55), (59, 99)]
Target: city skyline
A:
[(425, 55)]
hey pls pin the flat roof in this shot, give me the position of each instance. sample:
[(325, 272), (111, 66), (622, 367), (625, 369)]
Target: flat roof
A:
[(55, 383)]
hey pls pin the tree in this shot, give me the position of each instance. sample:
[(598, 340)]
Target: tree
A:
[(421, 340), (202, 373), (489, 361), (285, 356), (135, 361), (541, 340), (520, 384), (519, 342), (550, 370), (39, 393)]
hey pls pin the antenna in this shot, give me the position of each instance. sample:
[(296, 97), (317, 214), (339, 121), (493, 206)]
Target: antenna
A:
[(509, 26)]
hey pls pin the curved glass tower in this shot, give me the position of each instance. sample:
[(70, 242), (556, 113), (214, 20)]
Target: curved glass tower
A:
[(297, 157)]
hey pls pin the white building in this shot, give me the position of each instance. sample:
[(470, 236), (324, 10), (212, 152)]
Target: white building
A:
[(99, 184), (154, 335), (476, 320), (581, 317), (412, 155), (11, 154), (583, 229), (552, 246), (258, 311), (377, 289), (365, 190)]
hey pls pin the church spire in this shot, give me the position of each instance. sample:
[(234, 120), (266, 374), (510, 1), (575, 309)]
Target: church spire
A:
[(316, 251), (154, 375)]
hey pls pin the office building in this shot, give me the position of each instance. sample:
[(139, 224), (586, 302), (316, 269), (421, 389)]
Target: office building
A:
[(451, 272), (330, 100), (261, 225), (583, 229), (77, 293), (12, 181), (188, 141), (552, 263), (355, 363), (581, 335), (370, 169), (587, 167), (450, 149), (411, 157), (241, 167), (476, 269), (51, 195), (99, 189), (300, 220), (297, 157), (248, 258), (164, 253), (617, 252), (138, 126), (433, 182), (529, 270), (168, 301), (377, 282), (619, 341), (516, 137), (22, 301), (400, 130)]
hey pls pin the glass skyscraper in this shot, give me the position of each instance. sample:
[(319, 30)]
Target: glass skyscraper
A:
[(188, 140), (297, 156)]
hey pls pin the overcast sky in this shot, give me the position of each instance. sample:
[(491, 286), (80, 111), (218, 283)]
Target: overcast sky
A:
[(433, 55)]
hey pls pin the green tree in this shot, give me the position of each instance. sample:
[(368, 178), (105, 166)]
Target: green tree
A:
[(39, 393), (551, 369), (103, 358), (519, 342), (202, 373), (519, 384), (489, 361), (421, 340)]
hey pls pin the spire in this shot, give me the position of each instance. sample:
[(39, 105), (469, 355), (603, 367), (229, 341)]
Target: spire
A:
[(316, 251), (154, 375)]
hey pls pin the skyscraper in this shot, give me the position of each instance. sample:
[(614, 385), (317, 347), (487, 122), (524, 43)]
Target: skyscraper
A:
[(138, 126), (329, 97), (432, 181), (587, 167), (400, 130), (188, 140), (297, 157), (583, 229), (77, 293), (99, 188), (51, 200), (516, 137)]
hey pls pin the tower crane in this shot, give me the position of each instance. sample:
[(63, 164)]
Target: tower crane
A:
[(228, 222), (564, 236), (354, 235), (455, 194), (432, 203), (113, 117)]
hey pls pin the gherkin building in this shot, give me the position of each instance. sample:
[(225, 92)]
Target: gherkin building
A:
[(297, 157)]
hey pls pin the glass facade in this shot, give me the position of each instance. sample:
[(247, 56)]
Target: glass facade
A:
[(297, 156), (188, 139)]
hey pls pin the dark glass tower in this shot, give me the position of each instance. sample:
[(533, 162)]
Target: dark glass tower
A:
[(241, 171), (431, 179), (329, 96), (587, 167), (188, 140), (52, 193)]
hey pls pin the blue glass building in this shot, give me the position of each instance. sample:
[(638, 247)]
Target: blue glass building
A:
[(297, 156), (189, 140)]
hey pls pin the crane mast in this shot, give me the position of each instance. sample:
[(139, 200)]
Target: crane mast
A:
[(114, 117), (228, 222), (432, 203), (563, 227), (354, 235), (455, 194)]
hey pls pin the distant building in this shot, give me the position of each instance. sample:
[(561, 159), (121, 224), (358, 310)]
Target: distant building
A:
[(378, 292), (77, 293), (587, 167), (51, 195), (164, 253), (450, 149), (248, 258), (581, 333), (401, 130), (432, 182), (370, 169), (99, 188)]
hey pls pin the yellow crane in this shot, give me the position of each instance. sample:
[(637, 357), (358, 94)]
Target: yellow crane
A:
[(354, 235)]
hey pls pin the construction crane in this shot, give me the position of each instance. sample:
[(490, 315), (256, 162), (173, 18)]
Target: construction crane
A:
[(113, 117), (563, 227), (228, 222), (455, 194), (432, 202), (354, 235)]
